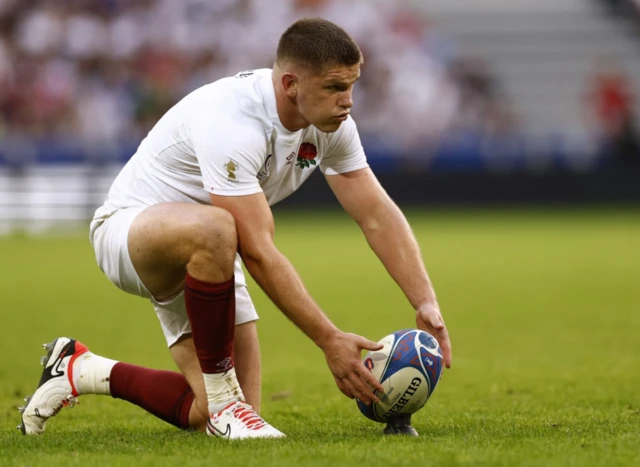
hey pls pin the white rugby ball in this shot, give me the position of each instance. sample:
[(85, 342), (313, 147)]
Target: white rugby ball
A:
[(408, 367)]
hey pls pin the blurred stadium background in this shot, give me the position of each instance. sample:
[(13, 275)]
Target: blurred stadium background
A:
[(498, 101)]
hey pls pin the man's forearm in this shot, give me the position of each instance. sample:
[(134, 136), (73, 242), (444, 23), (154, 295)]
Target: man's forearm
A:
[(280, 281), (391, 238)]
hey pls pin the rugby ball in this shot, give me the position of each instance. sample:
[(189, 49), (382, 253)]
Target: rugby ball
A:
[(408, 367)]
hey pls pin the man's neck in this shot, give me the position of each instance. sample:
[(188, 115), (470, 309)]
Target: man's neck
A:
[(288, 113)]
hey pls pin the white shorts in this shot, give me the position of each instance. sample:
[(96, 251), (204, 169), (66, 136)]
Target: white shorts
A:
[(109, 238)]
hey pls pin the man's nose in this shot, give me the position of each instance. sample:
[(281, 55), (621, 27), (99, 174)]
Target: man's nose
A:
[(346, 100)]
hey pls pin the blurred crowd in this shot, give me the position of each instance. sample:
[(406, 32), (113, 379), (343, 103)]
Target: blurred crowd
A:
[(611, 97), (101, 71), (610, 112)]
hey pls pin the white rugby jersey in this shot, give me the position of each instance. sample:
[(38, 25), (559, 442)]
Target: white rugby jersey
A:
[(226, 138)]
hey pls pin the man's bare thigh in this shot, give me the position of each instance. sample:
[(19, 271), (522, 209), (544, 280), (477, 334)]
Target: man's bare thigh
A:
[(162, 239)]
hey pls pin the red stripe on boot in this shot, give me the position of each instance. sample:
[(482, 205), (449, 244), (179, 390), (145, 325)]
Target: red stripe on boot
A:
[(212, 314)]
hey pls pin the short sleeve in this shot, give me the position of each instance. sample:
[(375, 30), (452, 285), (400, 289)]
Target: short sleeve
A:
[(344, 151), (230, 150)]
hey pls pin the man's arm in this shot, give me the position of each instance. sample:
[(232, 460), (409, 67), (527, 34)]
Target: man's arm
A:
[(389, 235), (280, 281)]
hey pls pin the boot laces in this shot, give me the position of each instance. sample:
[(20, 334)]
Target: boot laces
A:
[(249, 417)]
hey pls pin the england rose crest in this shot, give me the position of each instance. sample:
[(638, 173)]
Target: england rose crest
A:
[(306, 155)]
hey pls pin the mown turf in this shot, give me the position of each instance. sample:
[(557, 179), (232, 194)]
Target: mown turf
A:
[(543, 308)]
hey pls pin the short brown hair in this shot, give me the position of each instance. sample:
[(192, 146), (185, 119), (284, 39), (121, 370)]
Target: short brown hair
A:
[(318, 44)]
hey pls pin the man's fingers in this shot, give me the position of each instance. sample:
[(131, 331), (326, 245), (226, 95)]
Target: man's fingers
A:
[(342, 387), (350, 391), (445, 346), (434, 318), (434, 324), (437, 322), (366, 344), (446, 353), (358, 389), (369, 379), (362, 392)]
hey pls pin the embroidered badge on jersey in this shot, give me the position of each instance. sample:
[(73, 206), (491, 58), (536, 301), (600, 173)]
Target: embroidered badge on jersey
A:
[(231, 168), (306, 155)]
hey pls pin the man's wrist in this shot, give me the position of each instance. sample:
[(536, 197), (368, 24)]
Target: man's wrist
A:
[(430, 303), (325, 337)]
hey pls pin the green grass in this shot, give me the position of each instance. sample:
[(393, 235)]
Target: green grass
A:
[(543, 310)]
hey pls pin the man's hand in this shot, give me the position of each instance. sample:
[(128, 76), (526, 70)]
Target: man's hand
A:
[(429, 318), (342, 351)]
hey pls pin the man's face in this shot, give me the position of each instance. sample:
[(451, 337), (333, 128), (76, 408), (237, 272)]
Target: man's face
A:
[(324, 99)]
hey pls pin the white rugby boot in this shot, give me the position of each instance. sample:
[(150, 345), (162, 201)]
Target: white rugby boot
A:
[(55, 389), (238, 420)]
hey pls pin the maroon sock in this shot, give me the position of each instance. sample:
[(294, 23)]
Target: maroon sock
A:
[(165, 394), (212, 314)]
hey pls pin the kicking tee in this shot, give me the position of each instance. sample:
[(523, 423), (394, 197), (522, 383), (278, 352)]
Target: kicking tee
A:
[(226, 138)]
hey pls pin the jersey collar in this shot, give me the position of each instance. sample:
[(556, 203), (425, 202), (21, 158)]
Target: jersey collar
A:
[(269, 97)]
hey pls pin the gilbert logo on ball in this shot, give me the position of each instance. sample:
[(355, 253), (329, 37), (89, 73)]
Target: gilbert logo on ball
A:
[(408, 367)]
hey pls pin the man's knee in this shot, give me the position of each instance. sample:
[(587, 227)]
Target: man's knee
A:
[(214, 228), (214, 238)]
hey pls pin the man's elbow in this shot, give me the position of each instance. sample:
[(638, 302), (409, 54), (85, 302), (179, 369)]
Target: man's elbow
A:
[(376, 220), (255, 255), (370, 225)]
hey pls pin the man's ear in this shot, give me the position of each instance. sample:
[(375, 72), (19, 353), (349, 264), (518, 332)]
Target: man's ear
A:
[(290, 84)]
